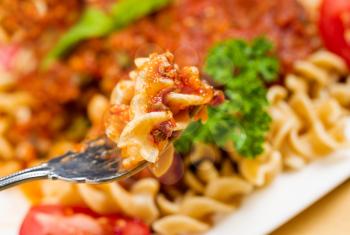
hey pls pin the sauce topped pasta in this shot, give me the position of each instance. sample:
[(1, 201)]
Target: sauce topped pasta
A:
[(283, 102), (158, 101)]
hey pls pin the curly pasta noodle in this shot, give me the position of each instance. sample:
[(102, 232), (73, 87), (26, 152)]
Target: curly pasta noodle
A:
[(156, 102), (309, 114)]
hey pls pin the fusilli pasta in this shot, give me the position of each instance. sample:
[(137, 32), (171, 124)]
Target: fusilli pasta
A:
[(157, 101), (309, 114)]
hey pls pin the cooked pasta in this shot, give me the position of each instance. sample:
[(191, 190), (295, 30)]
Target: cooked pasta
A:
[(261, 170), (309, 114), (155, 103), (179, 224)]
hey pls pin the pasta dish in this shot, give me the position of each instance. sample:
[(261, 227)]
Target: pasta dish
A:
[(219, 96)]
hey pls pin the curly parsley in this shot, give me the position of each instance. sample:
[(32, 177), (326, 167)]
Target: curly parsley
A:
[(242, 69)]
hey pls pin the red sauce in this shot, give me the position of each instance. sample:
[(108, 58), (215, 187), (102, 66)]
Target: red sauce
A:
[(163, 131)]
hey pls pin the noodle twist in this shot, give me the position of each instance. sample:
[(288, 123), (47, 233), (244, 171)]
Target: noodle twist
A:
[(309, 114)]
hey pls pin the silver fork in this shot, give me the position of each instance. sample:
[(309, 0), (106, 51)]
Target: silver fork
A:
[(99, 162)]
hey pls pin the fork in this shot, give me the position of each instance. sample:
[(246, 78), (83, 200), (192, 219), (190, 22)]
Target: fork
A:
[(99, 162)]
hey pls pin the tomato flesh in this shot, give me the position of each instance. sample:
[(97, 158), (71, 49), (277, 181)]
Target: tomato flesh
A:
[(334, 27), (61, 220)]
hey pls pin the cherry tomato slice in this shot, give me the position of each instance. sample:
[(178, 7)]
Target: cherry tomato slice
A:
[(61, 220), (334, 27)]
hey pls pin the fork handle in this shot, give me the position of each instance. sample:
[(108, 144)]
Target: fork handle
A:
[(34, 173)]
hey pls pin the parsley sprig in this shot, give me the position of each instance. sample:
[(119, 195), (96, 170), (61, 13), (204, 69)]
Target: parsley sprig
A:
[(242, 69)]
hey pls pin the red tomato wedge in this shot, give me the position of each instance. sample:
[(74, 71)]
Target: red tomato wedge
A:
[(61, 220), (334, 27)]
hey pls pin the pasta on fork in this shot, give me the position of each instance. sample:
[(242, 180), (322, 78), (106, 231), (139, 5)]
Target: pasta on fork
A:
[(151, 108)]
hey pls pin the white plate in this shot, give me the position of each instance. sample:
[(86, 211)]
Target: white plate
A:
[(260, 213)]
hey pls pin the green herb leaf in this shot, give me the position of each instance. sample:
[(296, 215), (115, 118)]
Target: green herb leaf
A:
[(126, 11), (97, 23), (243, 119), (93, 23)]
